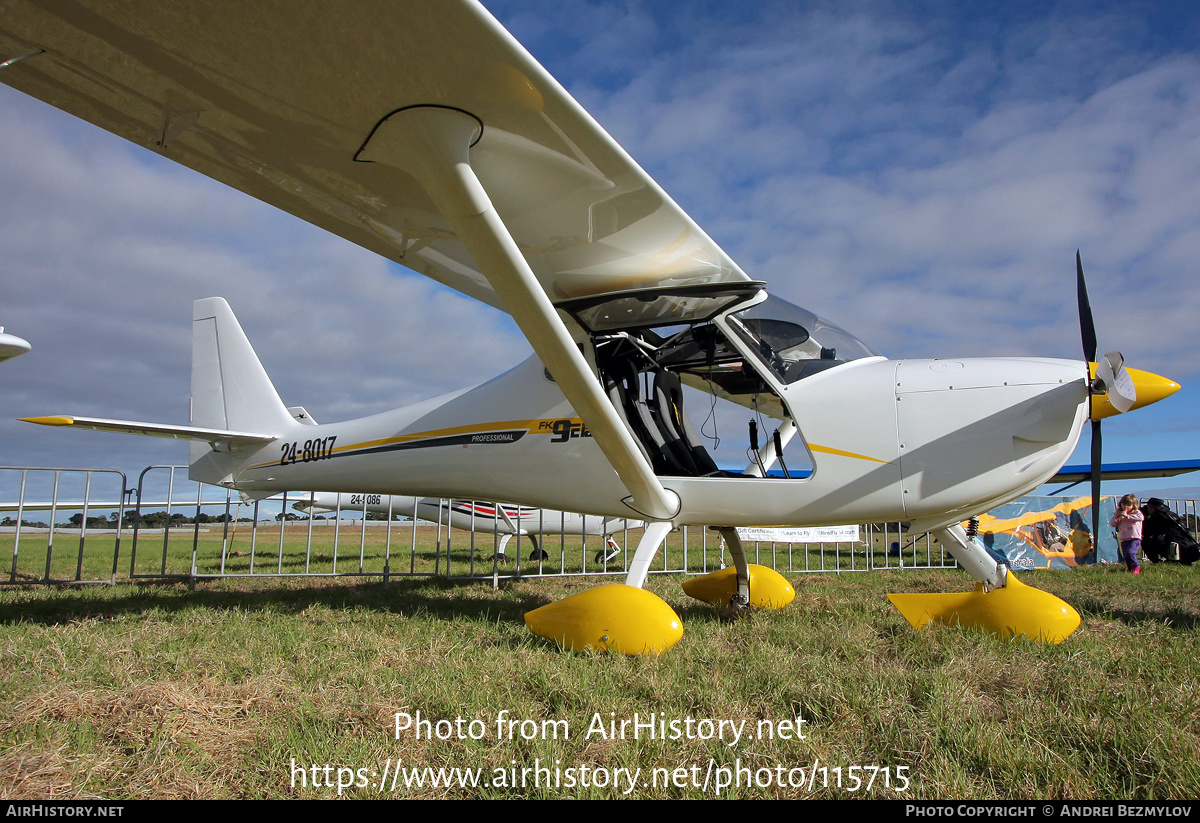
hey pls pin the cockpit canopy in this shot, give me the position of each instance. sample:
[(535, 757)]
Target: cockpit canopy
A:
[(687, 329), (731, 340), (793, 342)]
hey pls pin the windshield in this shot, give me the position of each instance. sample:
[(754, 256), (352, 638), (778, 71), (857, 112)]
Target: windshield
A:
[(794, 342)]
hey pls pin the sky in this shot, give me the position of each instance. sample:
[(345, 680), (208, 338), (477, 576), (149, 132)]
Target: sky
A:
[(920, 173)]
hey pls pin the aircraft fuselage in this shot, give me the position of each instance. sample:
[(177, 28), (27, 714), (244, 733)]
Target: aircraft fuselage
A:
[(907, 440)]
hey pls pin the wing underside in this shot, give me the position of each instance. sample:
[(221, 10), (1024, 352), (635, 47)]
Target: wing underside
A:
[(422, 131), (276, 99), (1126, 471)]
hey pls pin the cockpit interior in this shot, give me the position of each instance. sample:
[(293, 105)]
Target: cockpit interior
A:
[(732, 341)]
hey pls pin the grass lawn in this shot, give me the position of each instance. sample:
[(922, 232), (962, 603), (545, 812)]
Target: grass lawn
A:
[(242, 549), (241, 687)]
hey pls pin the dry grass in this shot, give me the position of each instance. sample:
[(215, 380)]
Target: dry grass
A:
[(154, 691)]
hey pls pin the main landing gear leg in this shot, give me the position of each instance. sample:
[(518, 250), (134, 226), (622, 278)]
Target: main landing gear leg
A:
[(733, 542), (1000, 603), (500, 555), (647, 548)]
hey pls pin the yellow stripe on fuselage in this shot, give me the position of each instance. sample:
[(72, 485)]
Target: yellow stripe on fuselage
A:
[(532, 426), (841, 453)]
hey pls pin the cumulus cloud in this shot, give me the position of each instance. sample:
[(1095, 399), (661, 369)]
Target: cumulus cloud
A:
[(923, 173), (106, 246)]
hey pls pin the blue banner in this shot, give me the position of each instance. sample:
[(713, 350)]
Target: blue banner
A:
[(1050, 532)]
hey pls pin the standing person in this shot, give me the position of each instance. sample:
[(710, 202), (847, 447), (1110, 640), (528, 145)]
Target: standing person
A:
[(1165, 536), (1128, 523)]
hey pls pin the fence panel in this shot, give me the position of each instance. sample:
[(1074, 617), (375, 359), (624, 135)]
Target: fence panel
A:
[(72, 525), (63, 523)]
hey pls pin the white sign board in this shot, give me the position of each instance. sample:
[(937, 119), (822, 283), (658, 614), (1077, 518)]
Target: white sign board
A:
[(820, 534)]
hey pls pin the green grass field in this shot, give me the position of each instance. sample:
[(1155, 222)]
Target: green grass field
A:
[(244, 550), (240, 687)]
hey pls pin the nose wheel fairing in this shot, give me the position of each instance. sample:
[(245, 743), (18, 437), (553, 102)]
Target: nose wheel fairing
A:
[(1016, 610)]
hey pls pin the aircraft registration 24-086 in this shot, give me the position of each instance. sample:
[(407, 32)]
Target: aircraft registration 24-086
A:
[(426, 133)]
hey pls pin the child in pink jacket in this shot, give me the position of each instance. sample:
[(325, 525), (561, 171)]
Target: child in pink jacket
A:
[(1128, 523)]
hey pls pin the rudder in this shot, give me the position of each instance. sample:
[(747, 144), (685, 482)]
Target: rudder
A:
[(230, 387)]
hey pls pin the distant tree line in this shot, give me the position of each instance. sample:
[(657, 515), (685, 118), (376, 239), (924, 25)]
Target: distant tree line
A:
[(150, 520)]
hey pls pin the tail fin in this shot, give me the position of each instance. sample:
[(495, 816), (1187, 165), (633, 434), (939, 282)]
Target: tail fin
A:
[(235, 409), (230, 388)]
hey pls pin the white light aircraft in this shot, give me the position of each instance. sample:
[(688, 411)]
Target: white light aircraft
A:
[(507, 521), (425, 132)]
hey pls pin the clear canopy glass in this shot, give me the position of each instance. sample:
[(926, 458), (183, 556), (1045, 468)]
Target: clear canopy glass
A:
[(793, 342)]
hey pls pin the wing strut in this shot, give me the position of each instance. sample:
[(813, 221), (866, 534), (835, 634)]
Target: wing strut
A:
[(432, 143)]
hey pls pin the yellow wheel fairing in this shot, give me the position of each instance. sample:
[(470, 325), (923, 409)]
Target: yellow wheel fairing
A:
[(1015, 610), (615, 617), (768, 588)]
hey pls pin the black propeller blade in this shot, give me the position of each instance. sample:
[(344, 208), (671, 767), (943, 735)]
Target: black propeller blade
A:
[(1097, 463), (1087, 328)]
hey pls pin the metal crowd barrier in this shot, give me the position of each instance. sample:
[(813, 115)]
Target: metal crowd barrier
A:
[(72, 525)]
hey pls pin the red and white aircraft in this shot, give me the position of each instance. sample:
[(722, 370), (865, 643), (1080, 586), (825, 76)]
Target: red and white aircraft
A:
[(506, 521)]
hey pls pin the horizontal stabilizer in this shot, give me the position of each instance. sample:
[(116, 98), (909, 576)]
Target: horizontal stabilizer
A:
[(213, 436), (11, 346)]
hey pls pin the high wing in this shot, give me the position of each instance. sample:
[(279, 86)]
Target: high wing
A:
[(420, 130), (1074, 475), (277, 99)]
